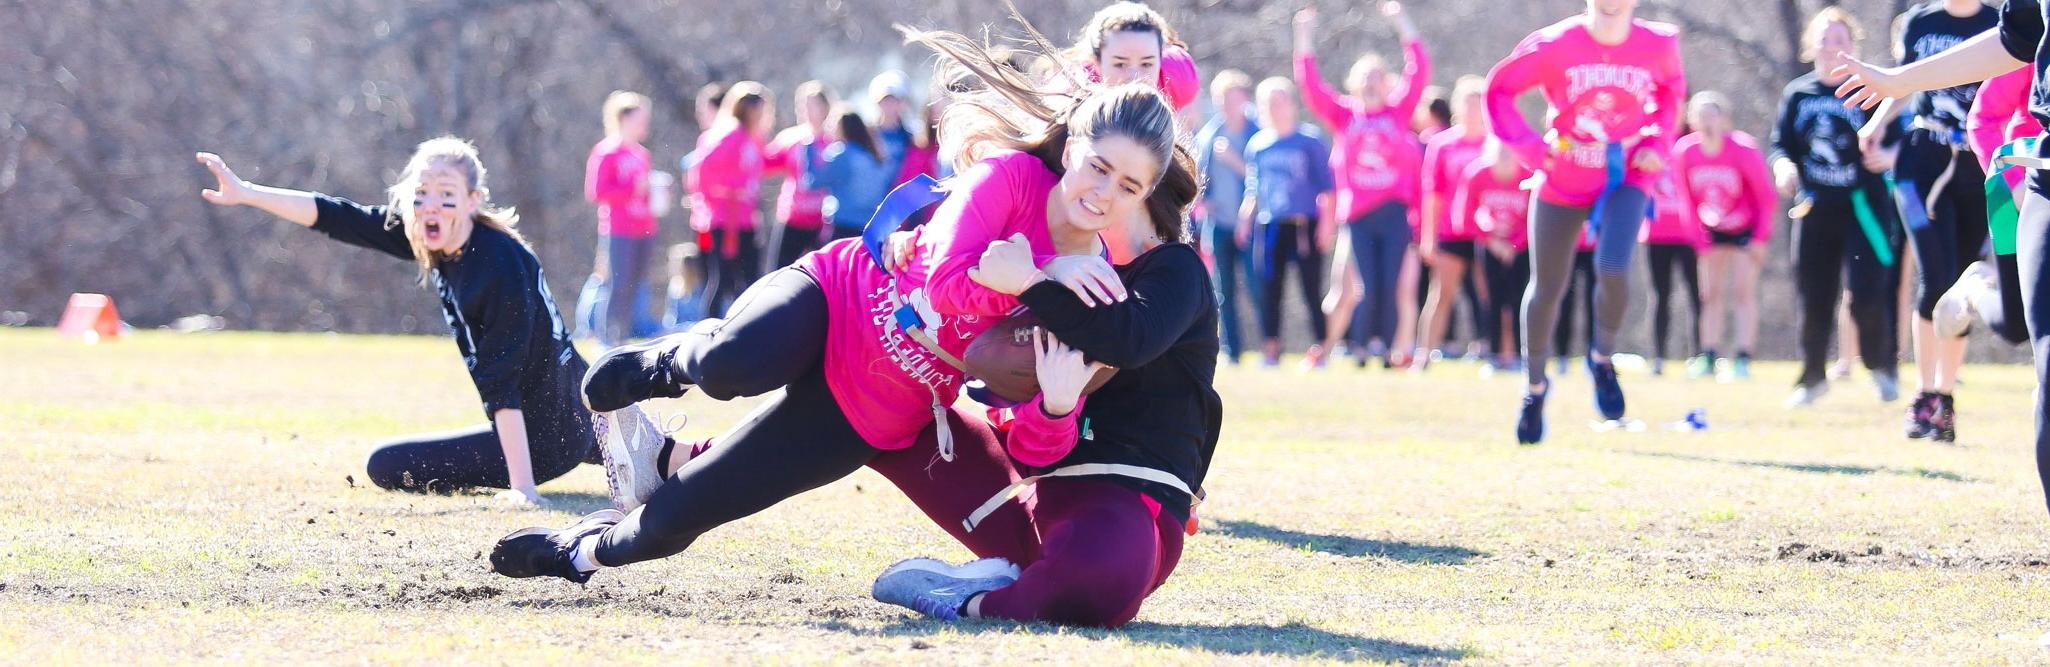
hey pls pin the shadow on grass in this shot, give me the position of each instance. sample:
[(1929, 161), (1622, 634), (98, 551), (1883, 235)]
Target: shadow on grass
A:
[(1351, 547), (1819, 468), (1293, 640)]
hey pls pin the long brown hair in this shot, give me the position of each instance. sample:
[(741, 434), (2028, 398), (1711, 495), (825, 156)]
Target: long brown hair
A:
[(1125, 16), (854, 130), (1007, 111)]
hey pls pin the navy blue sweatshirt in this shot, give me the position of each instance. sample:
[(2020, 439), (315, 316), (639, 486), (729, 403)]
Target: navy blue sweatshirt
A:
[(1161, 409)]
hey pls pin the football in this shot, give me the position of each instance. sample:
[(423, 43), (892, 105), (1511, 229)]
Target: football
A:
[(1002, 357)]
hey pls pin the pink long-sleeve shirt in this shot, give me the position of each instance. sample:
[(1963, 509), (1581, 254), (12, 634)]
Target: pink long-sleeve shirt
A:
[(1729, 192), (1446, 157), (726, 181), (1375, 157), (796, 206), (1630, 92), (1502, 198), (1671, 225), (2001, 114), (884, 381), (616, 179)]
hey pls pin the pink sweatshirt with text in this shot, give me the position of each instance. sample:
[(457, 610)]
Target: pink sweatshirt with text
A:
[(2001, 114), (1497, 206), (885, 382), (1729, 192), (1446, 156), (726, 181), (1670, 224), (1630, 92), (616, 179), (1375, 156)]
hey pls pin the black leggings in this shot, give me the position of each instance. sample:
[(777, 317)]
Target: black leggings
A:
[(558, 438), (1580, 284), (1828, 244), (1506, 282), (1285, 243), (1956, 214), (2003, 310), (1664, 259), (2033, 246), (726, 277)]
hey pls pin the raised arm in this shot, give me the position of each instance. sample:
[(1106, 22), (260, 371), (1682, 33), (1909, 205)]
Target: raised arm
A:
[(1324, 103), (1416, 63), (1982, 57)]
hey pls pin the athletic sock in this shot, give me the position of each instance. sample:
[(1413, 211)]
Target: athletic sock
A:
[(584, 555), (1708, 352)]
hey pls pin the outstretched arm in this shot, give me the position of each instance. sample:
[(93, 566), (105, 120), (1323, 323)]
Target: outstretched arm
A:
[(1977, 59), (230, 190)]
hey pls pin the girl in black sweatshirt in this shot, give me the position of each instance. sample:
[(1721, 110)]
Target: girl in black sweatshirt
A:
[(492, 292)]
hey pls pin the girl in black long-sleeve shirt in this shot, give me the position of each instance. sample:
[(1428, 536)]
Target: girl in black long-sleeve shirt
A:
[(492, 292), (1120, 481)]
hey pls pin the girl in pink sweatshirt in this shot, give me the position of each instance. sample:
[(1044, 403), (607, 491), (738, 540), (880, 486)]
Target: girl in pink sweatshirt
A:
[(1672, 245), (1448, 243), (1488, 196), (867, 356), (796, 151), (1376, 158), (1726, 190), (1615, 86), (725, 185)]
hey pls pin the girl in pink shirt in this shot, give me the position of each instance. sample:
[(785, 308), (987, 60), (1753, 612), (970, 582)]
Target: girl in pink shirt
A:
[(867, 356), (1376, 158), (1448, 243), (1615, 86), (616, 179), (1488, 196), (725, 185), (800, 211), (1726, 190)]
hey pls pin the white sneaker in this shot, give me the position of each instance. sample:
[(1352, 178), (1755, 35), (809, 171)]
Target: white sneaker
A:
[(631, 444), (1807, 394), (1954, 312)]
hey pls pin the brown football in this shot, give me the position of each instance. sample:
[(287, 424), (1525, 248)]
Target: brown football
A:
[(1002, 358)]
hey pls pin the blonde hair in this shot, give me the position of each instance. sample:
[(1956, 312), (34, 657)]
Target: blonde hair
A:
[(1275, 85), (462, 155), (1708, 98), (744, 102), (1356, 78), (1811, 38), (618, 105), (1229, 80)]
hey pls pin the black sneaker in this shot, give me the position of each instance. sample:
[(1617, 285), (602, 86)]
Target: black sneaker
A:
[(1920, 415), (1943, 419), (1608, 392), (629, 374), (1530, 423), (543, 552)]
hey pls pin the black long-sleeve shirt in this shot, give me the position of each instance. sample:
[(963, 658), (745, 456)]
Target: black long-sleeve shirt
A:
[(497, 303), (2021, 32), (1161, 409), (1820, 136)]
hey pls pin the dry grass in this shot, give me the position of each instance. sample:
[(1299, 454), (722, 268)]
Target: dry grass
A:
[(169, 499)]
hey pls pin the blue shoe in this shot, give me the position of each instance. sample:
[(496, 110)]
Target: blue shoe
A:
[(939, 590), (1608, 393), (629, 374), (1530, 424), (545, 552)]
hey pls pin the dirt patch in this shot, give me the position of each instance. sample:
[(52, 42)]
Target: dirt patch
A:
[(1878, 556)]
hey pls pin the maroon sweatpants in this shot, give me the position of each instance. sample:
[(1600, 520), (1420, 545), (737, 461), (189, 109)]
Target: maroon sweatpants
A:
[(1091, 549)]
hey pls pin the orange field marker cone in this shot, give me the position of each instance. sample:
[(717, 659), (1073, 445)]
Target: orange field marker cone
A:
[(90, 318)]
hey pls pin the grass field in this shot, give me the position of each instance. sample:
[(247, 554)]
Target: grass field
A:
[(170, 499)]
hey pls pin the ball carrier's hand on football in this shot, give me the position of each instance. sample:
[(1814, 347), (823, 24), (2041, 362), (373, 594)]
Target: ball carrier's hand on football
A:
[(1063, 373), (1006, 266)]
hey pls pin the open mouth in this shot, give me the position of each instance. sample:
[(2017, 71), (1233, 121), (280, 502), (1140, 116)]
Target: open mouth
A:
[(1091, 208), (431, 230)]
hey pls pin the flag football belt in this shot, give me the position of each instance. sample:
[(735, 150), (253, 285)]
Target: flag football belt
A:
[(1143, 473), (902, 203), (2003, 213)]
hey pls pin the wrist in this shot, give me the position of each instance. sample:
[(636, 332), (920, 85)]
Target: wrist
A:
[(1052, 409), (1037, 277)]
